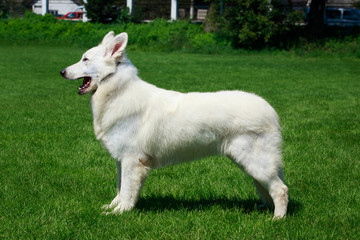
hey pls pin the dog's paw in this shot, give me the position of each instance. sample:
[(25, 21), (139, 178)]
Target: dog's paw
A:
[(117, 207), (105, 207), (118, 210), (106, 213), (111, 210), (279, 217), (114, 204)]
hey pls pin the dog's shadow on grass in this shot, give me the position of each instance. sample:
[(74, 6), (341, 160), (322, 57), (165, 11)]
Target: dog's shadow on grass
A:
[(164, 203)]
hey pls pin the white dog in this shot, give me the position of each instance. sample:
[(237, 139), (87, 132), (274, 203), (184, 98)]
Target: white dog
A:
[(144, 127)]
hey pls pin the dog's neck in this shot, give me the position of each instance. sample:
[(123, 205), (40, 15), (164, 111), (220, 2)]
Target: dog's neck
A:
[(110, 90), (122, 59)]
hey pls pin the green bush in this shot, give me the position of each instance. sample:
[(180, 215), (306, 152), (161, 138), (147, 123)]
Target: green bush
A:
[(159, 35), (250, 23)]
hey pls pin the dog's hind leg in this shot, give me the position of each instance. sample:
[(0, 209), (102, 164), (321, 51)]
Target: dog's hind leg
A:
[(264, 193), (274, 193), (259, 156), (134, 172)]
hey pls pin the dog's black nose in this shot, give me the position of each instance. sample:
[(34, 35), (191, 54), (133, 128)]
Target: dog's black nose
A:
[(63, 72)]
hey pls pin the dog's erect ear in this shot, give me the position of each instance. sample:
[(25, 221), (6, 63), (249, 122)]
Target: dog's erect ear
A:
[(110, 35), (117, 45)]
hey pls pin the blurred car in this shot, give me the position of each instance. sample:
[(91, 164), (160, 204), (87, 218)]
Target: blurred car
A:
[(72, 16), (342, 17), (338, 17)]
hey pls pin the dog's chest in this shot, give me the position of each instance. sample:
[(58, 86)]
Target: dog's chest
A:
[(119, 138)]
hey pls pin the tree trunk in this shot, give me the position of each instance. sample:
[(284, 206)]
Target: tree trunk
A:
[(316, 24)]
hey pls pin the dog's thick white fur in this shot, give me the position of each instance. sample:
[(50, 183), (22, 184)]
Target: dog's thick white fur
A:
[(144, 127)]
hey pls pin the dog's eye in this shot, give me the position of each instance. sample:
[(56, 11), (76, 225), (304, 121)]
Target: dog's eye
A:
[(85, 59)]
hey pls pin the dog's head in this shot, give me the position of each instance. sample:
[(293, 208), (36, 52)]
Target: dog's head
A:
[(98, 63)]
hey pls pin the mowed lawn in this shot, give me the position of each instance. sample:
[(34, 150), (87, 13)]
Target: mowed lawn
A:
[(55, 176)]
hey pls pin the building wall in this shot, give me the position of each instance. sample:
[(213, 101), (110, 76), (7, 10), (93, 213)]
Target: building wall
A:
[(151, 9), (340, 3), (56, 7)]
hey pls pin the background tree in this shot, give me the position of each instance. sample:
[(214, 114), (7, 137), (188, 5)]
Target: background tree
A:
[(4, 8), (14, 7), (250, 23), (102, 11), (316, 24)]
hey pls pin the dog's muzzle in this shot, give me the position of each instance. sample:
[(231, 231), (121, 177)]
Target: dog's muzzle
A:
[(63, 72), (85, 87)]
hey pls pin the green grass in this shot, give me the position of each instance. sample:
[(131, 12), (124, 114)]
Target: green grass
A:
[(55, 176)]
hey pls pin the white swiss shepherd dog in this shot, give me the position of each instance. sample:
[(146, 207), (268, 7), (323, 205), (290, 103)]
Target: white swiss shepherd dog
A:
[(145, 127)]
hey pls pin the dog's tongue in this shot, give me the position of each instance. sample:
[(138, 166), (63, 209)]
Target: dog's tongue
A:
[(85, 85), (86, 82)]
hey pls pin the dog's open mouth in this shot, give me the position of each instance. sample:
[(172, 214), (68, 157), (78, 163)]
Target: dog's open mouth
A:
[(85, 85)]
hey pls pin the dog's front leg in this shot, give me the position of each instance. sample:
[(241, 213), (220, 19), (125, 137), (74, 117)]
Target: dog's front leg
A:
[(116, 201), (133, 174)]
